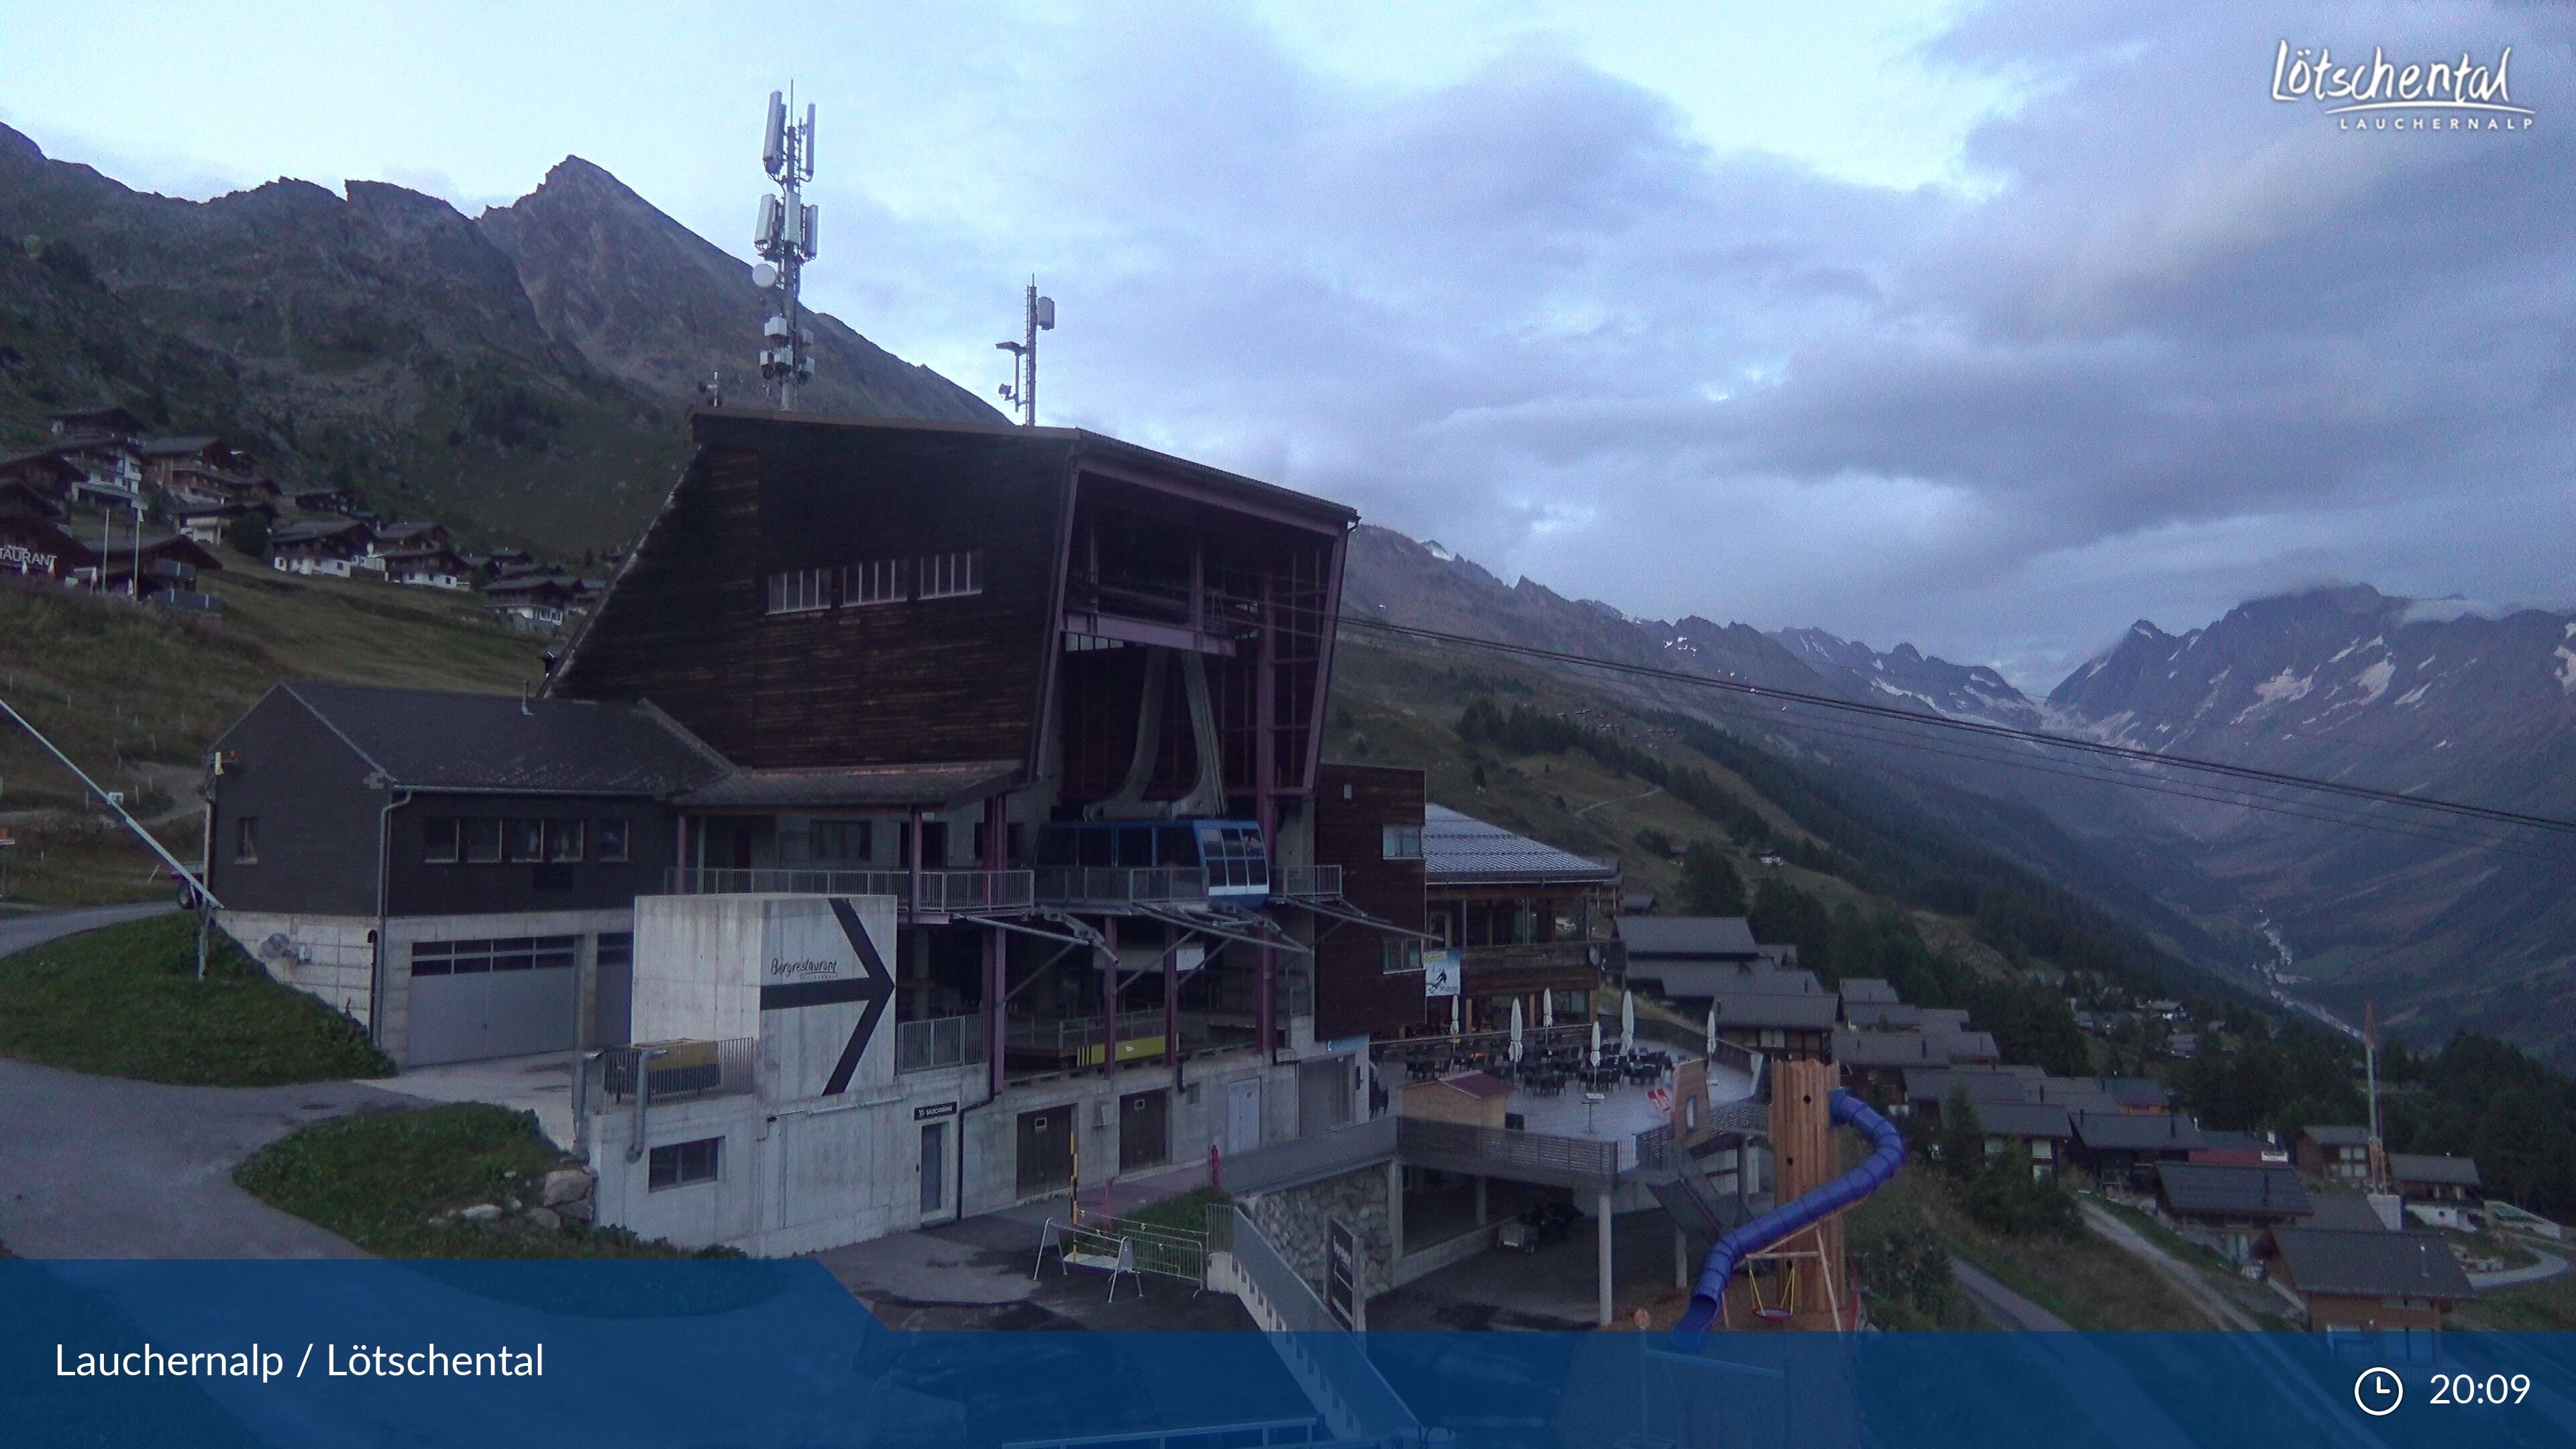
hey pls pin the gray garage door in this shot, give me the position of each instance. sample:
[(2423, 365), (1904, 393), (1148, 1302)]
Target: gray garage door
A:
[(498, 998)]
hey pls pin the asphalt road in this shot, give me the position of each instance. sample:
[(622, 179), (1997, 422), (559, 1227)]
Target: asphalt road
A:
[(100, 1167), (17, 933)]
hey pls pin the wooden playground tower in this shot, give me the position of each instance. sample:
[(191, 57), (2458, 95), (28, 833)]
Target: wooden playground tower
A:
[(1800, 1282)]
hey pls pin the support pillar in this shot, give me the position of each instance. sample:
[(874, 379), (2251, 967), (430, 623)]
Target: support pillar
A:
[(1681, 1260), (1480, 1201), (1265, 804), (1172, 1012), (1601, 1209), (1109, 1000), (1394, 1221), (996, 958)]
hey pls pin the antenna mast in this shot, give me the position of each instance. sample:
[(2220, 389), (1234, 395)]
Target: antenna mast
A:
[(785, 239), (1038, 315)]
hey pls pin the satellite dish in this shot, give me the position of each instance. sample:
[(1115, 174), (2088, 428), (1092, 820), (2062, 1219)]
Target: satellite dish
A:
[(764, 275)]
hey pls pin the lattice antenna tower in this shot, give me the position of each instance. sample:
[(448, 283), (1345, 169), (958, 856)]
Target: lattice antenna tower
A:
[(785, 238)]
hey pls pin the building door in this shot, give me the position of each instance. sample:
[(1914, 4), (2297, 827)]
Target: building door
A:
[(1144, 1130), (1323, 1095), (472, 1000), (1046, 1150), (934, 1167), (1243, 1115)]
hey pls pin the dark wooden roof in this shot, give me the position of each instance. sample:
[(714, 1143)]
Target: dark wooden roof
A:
[(2371, 1265), (2213, 1189)]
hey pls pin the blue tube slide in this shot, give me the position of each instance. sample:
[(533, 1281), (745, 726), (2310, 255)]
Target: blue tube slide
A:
[(1887, 1154)]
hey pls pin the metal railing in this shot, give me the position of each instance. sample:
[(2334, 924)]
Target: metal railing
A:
[(954, 891), (1524, 1156), (1310, 881), (680, 1069), (1331, 1363), (939, 1041), (1071, 1033), (1113, 884)]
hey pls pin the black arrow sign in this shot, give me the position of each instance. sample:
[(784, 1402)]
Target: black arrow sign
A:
[(873, 985)]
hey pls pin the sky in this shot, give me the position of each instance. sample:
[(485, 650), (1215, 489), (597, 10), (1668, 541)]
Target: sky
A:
[(1987, 328)]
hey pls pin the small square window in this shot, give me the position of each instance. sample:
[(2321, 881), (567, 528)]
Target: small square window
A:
[(563, 841), (441, 840), (1400, 842), (683, 1163), (611, 837), (1403, 956), (527, 839), (483, 841), (246, 840)]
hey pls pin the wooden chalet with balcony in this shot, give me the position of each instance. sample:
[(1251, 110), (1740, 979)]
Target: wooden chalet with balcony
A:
[(1524, 919)]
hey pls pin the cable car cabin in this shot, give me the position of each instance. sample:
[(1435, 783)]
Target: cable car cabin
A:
[(1152, 860)]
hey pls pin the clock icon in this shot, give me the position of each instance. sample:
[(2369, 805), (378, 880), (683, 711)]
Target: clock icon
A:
[(2378, 1391)]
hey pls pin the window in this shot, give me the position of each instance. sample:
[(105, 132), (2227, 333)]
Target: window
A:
[(947, 575), (878, 581), (1403, 956), (611, 834), (683, 1163), (616, 948), (518, 953), (799, 590), (246, 840), (563, 841), (843, 840), (483, 841), (526, 840), (441, 840), (1401, 842)]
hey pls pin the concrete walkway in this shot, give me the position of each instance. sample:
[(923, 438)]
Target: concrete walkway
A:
[(99, 1167), (541, 1083), (2211, 1303), (18, 933), (2549, 1266)]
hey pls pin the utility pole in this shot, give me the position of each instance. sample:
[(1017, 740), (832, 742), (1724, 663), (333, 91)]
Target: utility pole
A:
[(1037, 315), (785, 237)]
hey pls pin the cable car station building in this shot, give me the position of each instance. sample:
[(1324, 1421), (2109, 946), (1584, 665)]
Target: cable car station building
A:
[(1060, 699)]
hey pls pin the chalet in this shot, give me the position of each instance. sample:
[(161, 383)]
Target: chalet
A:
[(1369, 819), (457, 871), (2371, 1281), (41, 473), (1690, 959), (2352, 1212), (1523, 918), (2125, 1149), (2442, 1191), (32, 544), (2139, 1096), (2228, 1208), (1867, 991), (204, 469), (428, 567), (2041, 1130), (1878, 1060), (1925, 1089), (1796, 1027), (109, 460), (536, 604), (204, 523), (2336, 1153), (108, 422), (1638, 903), (158, 568), (2075, 1094), (318, 498), (411, 537), (326, 547)]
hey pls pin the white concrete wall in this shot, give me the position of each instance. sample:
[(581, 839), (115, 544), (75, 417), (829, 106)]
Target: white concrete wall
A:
[(341, 970)]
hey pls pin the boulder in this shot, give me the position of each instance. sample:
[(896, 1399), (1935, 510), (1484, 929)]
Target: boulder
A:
[(482, 1214), (577, 1210), (563, 1185), (542, 1219)]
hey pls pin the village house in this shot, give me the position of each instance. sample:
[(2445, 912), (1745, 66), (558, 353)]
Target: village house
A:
[(2442, 1191), (2124, 1149), (537, 604), (1876, 1061), (428, 567), (2336, 1153), (2042, 1131), (43, 473), (2229, 1208), (1522, 919), (2372, 1281), (2240, 1149), (328, 548), (34, 545)]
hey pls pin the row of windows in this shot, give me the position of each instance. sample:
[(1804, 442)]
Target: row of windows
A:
[(878, 581), (519, 953), (490, 839)]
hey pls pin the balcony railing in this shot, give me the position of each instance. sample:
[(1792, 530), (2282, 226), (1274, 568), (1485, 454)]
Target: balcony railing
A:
[(1527, 1156), (1492, 966), (1112, 885), (1310, 881), (671, 1071), (940, 1041), (958, 892)]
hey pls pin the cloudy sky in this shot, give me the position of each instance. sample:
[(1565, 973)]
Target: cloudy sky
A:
[(1989, 328)]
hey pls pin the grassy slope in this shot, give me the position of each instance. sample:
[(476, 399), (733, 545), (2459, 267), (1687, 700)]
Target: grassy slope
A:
[(379, 1179), (135, 696), (125, 1002), (2087, 1281)]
